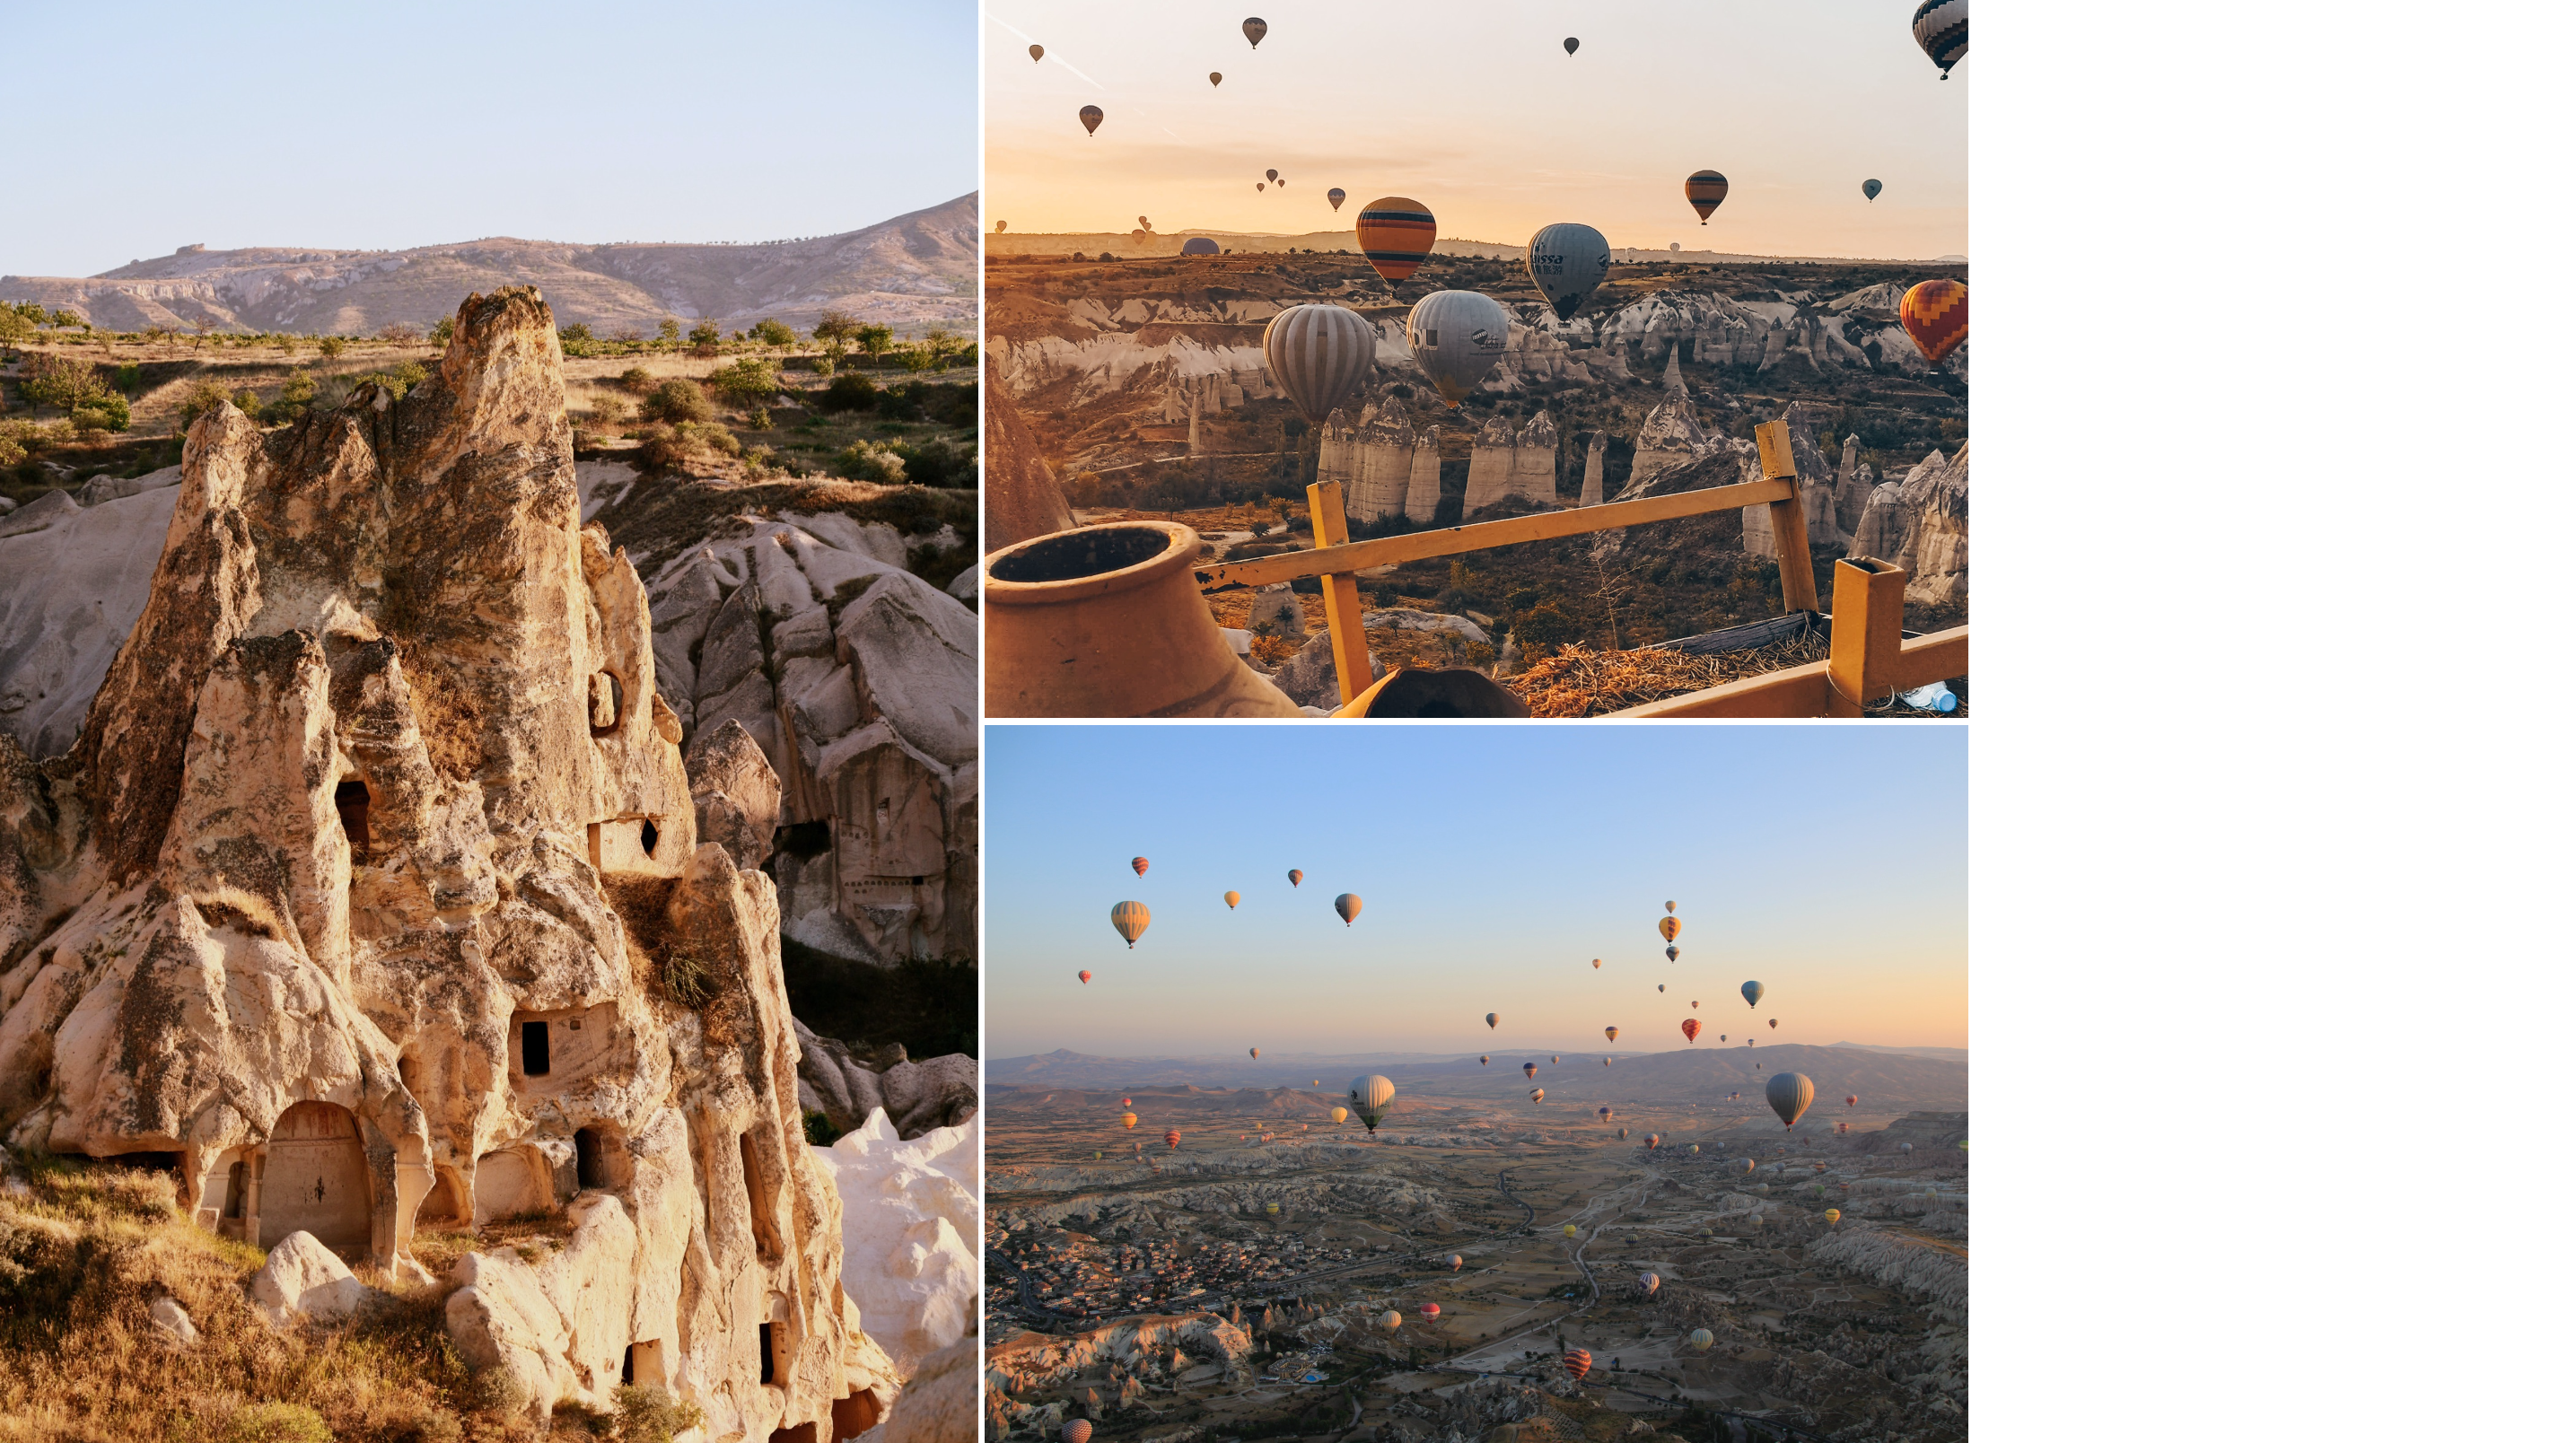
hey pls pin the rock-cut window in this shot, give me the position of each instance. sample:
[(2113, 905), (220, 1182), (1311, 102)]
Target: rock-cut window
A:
[(351, 799), (536, 1053)]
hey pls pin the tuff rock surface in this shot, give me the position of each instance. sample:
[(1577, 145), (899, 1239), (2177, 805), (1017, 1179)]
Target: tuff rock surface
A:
[(371, 894)]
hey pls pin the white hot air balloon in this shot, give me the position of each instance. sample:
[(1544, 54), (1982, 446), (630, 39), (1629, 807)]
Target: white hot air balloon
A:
[(1565, 262), (1456, 337), (1319, 354)]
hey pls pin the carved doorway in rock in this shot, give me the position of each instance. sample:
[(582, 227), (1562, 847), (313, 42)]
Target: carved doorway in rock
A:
[(315, 1180)]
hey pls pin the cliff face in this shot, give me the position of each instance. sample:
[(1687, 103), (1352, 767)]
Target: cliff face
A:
[(371, 897)]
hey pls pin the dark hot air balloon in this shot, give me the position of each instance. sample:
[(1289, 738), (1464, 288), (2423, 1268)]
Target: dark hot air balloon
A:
[(1493, 1019), (1706, 191), (1752, 993), (1270, 175), (1347, 907), (1337, 195), (1091, 118), (1789, 1093), (1566, 261), (1254, 29), (1036, 53), (1295, 876), (1870, 189), (1610, 1032), (1672, 954), (1256, 1052), (1775, 1024), (1577, 1361), (1570, 44), (1529, 1069), (1216, 77)]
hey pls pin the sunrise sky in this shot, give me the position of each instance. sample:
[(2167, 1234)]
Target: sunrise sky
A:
[(1494, 863), (1478, 112)]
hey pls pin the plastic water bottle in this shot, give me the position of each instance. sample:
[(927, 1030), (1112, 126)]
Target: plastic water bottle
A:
[(1936, 697)]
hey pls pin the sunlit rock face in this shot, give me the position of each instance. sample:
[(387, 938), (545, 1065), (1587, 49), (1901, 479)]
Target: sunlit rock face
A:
[(371, 896)]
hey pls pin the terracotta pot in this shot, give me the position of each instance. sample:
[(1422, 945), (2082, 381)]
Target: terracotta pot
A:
[(1416, 692), (1106, 621)]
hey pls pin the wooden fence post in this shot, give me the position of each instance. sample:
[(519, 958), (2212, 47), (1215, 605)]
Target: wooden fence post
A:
[(1788, 518), (1869, 622), (1341, 592)]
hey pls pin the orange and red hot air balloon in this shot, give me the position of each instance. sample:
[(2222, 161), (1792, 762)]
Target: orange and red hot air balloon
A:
[(1172, 1139), (1935, 314), (1852, 1101), (1578, 1362), (1085, 976), (1139, 863), (1690, 1029), (1396, 234), (1706, 191)]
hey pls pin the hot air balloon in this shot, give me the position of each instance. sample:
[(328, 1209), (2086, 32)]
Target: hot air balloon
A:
[(1702, 1339), (1341, 1115), (1091, 118), (1319, 354), (1852, 1101), (1215, 78), (1260, 185), (1295, 876), (1671, 927), (1085, 976), (1077, 1430), (1395, 234), (1529, 1069), (1566, 261), (1752, 993), (1131, 919), (1789, 1093), (1126, 1102), (1605, 1114), (1391, 1320), (1570, 43), (1905, 1147), (1610, 1032), (1623, 1134), (1337, 195), (1139, 863), (1833, 1216), (1347, 906), (1456, 337), (1747, 1167), (1172, 1138), (1369, 1098), (1577, 1361), (1596, 964), (1253, 30), (1000, 226), (1036, 53), (1605, 1062), (1484, 1061), (1127, 1120), (1941, 28), (1256, 1052), (1672, 954), (1706, 190), (1231, 898), (1695, 1008), (1659, 987), (1198, 245), (1270, 175), (1694, 1151), (1654, 1140), (1690, 1029), (1871, 188), (1647, 1283), (1935, 314), (1668, 906), (1569, 1230), (1538, 1094), (1775, 1024), (1553, 1060), (1431, 1310)]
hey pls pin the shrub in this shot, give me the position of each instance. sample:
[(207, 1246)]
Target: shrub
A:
[(758, 420), (276, 1423), (401, 333), (332, 346), (107, 413), (650, 1415), (901, 403), (298, 389), (202, 397), (937, 463), (774, 333), (636, 379), (852, 392), (871, 461), (745, 381), (677, 401), (129, 378), (443, 332), (15, 328), (704, 338), (668, 331)]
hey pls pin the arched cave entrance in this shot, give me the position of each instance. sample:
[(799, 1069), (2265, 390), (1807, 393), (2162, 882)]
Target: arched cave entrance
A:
[(315, 1178), (351, 798)]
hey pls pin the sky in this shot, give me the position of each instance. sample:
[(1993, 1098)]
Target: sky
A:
[(1478, 113), (1494, 863), (389, 126)]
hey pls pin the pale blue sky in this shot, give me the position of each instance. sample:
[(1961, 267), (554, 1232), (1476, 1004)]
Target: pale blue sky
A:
[(1495, 863), (139, 128), (1477, 112)]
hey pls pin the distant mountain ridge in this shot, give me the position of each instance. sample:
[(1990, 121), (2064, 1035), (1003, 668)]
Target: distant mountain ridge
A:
[(1136, 245), (911, 272)]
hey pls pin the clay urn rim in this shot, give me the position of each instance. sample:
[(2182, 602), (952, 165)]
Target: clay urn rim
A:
[(1177, 552)]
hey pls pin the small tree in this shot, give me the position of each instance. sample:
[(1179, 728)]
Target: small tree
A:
[(49, 379), (874, 340), (836, 329), (332, 346), (771, 332), (443, 332), (745, 381), (704, 337), (668, 332), (400, 333)]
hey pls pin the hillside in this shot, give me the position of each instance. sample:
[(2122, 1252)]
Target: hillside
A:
[(1162, 243), (911, 272)]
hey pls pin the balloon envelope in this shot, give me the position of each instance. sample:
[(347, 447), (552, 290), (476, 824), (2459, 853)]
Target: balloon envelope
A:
[(1131, 920), (1752, 993), (1216, 78), (1935, 314), (1347, 906), (1456, 1262), (1037, 53), (1139, 863), (1256, 1052), (1789, 1093), (1672, 954), (1833, 1216), (1493, 1019), (1172, 1138), (1077, 1430), (1871, 188), (1270, 175), (1577, 1361), (1671, 927), (1319, 354), (1538, 1094), (1941, 28), (1702, 1339), (1570, 44), (1198, 245), (1295, 876), (1084, 975), (1369, 1098), (1341, 1114), (1566, 261), (1337, 195), (1610, 1032), (1690, 1029), (1529, 1069), (1456, 337), (1648, 1282), (1395, 234), (1706, 190), (1254, 29), (1091, 118), (1231, 898)]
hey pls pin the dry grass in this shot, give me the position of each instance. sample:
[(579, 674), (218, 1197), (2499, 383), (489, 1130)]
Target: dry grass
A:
[(87, 1249), (1581, 682)]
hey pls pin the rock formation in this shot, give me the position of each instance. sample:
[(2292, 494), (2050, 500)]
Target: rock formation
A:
[(1422, 486), (1512, 463), (1021, 496), (371, 898), (1593, 458), (912, 1206)]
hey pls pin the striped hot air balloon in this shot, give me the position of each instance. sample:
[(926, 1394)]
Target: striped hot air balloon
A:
[(1127, 1120), (1139, 863), (1172, 1138), (1941, 28), (1935, 314), (1577, 1361), (1131, 919), (1690, 1029), (1671, 927), (1396, 233), (1319, 354), (1706, 190)]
